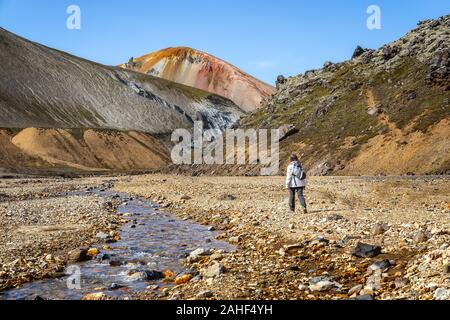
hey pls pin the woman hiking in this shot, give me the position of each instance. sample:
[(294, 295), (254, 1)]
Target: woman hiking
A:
[(296, 183)]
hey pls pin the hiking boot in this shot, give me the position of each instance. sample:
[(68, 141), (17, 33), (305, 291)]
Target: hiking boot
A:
[(305, 211)]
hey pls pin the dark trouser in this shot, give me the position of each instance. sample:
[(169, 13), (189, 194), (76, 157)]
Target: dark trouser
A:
[(299, 192)]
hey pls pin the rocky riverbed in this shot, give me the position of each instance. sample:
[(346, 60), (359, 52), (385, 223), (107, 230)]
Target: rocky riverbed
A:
[(41, 227), (363, 238)]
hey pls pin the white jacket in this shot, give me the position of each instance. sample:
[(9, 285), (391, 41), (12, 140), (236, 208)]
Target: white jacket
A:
[(292, 181)]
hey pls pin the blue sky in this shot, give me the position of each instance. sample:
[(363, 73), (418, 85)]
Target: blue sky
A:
[(264, 38)]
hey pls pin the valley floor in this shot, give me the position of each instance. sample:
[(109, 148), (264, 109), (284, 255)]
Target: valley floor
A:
[(279, 255), (408, 217)]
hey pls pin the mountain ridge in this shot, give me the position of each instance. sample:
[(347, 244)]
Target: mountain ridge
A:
[(46, 96), (382, 112)]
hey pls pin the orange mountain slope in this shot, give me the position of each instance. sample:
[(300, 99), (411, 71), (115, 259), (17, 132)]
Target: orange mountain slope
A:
[(203, 71)]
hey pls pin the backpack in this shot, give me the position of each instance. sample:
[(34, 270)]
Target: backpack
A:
[(299, 173)]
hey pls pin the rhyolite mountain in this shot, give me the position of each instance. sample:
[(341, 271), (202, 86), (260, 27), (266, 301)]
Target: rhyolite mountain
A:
[(383, 112), (60, 110), (203, 71)]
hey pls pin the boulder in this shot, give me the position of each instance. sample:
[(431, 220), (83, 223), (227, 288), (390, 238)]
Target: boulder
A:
[(355, 290), (102, 236), (280, 81), (78, 255), (93, 252), (442, 294), (196, 255), (363, 250), (380, 265), (286, 131), (359, 51), (213, 271), (154, 275), (321, 284), (183, 279), (420, 237)]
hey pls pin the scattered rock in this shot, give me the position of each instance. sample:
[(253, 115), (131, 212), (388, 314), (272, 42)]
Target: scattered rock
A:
[(115, 286), (227, 197), (213, 271), (115, 263), (355, 290), (366, 292), (102, 236), (303, 287), (78, 255), (359, 51), (280, 81), (286, 131), (378, 229), (93, 252), (183, 279), (235, 240), (380, 265), (321, 284), (154, 275), (363, 250), (420, 237), (442, 294), (368, 297), (447, 269), (94, 296), (196, 255), (205, 294)]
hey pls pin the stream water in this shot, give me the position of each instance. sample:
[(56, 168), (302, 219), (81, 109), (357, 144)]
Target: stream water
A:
[(152, 240)]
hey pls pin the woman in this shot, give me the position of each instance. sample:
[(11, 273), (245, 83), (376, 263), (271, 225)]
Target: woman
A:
[(296, 183)]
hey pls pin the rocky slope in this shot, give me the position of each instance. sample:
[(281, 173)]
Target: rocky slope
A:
[(385, 111), (201, 70), (48, 89)]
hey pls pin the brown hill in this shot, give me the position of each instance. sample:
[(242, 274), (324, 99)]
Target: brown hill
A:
[(92, 150)]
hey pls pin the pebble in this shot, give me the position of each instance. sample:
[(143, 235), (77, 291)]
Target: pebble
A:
[(420, 237), (183, 279), (214, 270), (378, 229), (355, 290), (205, 294), (321, 284)]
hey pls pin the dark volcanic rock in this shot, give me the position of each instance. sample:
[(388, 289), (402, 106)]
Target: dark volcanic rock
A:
[(358, 52), (363, 250), (287, 130), (154, 275), (280, 81)]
